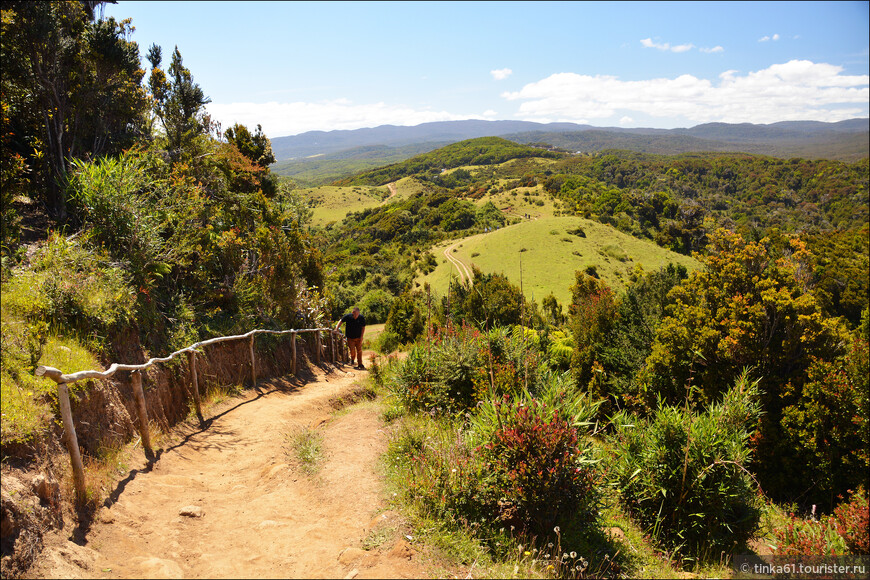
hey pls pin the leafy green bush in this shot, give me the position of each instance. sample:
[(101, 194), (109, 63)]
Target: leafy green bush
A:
[(405, 320), (375, 306), (121, 205), (71, 288), (459, 367), (519, 462), (387, 342), (490, 300), (537, 466), (444, 375), (684, 476), (412, 380)]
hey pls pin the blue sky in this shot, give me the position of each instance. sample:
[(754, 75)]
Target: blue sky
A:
[(300, 66)]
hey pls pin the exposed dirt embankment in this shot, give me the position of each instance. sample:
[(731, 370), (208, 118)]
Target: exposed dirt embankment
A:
[(105, 416)]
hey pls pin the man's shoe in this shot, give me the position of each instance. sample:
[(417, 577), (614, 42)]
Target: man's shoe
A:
[(361, 367)]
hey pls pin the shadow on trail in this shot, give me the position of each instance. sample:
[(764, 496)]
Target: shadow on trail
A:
[(287, 384)]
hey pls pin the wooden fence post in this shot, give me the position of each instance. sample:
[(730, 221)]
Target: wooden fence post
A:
[(72, 443), (293, 349), (332, 346), (191, 358), (139, 395), (317, 346), (253, 363)]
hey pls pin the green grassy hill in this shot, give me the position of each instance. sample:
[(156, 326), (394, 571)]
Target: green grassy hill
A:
[(482, 151), (331, 203), (550, 255)]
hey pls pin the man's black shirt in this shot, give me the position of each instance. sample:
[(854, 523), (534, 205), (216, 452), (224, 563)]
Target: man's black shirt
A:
[(355, 326)]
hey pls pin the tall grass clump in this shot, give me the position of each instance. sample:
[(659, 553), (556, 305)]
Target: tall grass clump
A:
[(122, 209), (441, 376), (461, 366), (307, 448), (683, 473)]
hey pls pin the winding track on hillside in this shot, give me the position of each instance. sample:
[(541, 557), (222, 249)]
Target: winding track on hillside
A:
[(393, 191), (465, 272)]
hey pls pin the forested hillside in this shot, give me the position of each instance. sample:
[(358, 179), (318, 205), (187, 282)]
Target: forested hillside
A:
[(705, 365)]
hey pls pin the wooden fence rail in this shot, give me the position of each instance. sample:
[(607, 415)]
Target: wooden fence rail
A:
[(336, 339)]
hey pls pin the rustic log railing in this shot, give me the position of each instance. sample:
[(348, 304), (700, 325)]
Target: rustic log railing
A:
[(336, 343)]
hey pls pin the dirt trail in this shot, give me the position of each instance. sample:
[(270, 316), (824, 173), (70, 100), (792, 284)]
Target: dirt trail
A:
[(260, 515), (393, 188), (465, 272)]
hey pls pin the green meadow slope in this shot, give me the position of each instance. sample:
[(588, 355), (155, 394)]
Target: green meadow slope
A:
[(550, 256), (331, 203)]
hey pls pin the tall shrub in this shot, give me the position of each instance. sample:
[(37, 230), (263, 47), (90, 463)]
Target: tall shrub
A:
[(829, 425), (539, 466), (683, 473), (115, 197)]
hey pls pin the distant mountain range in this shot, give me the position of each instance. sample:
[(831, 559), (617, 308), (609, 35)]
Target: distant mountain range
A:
[(319, 156)]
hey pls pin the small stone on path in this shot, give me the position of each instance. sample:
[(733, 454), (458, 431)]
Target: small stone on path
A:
[(402, 549), (349, 555), (191, 511)]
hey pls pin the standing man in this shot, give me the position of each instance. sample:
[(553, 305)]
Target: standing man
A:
[(355, 329)]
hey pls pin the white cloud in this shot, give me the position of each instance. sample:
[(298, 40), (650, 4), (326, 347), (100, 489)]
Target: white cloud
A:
[(626, 120), (648, 43), (280, 119), (714, 49), (796, 90), (766, 38), (501, 73)]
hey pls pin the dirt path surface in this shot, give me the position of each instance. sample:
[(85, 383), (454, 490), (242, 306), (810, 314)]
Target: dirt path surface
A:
[(393, 188), (465, 273), (229, 501)]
